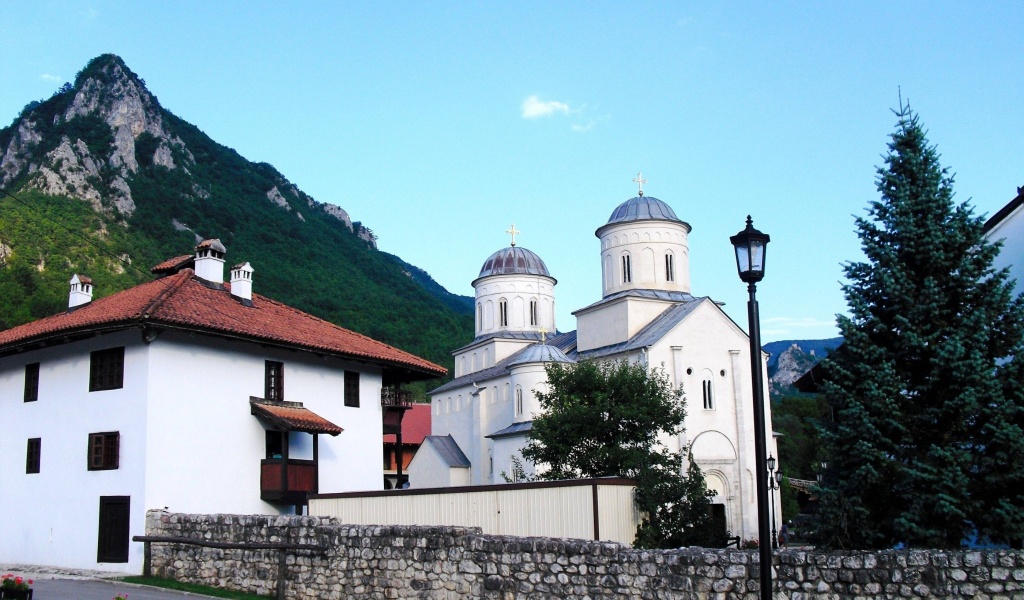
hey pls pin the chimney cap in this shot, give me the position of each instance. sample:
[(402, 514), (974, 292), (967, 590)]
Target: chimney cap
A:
[(81, 279), (244, 266), (213, 244)]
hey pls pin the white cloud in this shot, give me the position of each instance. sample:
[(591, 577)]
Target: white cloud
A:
[(54, 78), (583, 128), (534, 107)]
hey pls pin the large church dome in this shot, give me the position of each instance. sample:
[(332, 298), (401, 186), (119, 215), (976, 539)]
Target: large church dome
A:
[(514, 261), (643, 208)]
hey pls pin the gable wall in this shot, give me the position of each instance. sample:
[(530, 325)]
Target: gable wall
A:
[(51, 518)]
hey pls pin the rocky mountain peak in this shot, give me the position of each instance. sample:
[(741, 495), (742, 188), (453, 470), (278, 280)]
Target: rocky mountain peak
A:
[(82, 141)]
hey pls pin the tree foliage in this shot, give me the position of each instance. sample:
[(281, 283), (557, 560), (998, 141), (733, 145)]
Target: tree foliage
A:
[(601, 420), (926, 393)]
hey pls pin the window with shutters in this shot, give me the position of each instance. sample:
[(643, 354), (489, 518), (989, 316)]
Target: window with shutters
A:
[(352, 389), (106, 369), (32, 382), (104, 451), (32, 455), (273, 381)]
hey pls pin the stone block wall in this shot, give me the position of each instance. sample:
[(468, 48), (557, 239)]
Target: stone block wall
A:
[(460, 562)]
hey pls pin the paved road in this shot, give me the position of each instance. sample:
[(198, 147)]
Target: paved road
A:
[(55, 583), (97, 589)]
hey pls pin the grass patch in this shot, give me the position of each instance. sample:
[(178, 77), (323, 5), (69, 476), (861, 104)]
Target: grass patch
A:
[(171, 584)]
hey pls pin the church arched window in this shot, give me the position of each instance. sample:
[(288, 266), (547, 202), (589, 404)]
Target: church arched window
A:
[(503, 313), (670, 267), (708, 389), (519, 401), (533, 313), (504, 396), (479, 316), (448, 407), (627, 269)]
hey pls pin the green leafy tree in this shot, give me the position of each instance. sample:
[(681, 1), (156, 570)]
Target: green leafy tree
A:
[(601, 420), (926, 393)]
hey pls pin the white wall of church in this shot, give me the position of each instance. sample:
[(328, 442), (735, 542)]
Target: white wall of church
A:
[(1011, 231), (708, 351), (528, 300), (646, 244), (615, 322)]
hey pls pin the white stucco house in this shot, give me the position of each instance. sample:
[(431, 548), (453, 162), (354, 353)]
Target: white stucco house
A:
[(188, 393), (1008, 225), (647, 314)]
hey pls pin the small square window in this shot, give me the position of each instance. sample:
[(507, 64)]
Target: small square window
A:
[(352, 389), (32, 455), (274, 381), (32, 382), (104, 451), (106, 369)]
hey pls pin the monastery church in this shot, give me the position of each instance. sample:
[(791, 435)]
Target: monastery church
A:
[(647, 314)]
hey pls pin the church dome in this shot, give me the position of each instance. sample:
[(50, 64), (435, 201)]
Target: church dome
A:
[(643, 208), (513, 261), (541, 353)]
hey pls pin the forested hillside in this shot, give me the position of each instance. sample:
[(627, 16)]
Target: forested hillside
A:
[(102, 180)]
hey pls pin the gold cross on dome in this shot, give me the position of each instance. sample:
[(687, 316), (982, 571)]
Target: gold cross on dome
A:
[(543, 336), (513, 232), (639, 179)]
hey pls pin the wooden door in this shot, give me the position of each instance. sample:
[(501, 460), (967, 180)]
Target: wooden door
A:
[(113, 529)]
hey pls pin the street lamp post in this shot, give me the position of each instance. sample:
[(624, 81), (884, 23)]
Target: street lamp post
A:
[(774, 483), (750, 252)]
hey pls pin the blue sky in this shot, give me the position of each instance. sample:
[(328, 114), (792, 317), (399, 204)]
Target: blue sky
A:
[(438, 124)]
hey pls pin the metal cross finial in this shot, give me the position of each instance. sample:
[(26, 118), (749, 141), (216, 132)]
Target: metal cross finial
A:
[(641, 181), (513, 232), (543, 335)]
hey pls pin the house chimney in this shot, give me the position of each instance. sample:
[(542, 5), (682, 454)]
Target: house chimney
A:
[(241, 282), (210, 261), (81, 291)]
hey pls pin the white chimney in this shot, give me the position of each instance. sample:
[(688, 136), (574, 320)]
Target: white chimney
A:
[(241, 281), (81, 291), (210, 261)]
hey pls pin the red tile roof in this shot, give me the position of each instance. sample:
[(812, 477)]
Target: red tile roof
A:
[(292, 416), (415, 425), (172, 265), (182, 301)]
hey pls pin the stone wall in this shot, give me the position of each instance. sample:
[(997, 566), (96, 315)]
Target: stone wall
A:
[(460, 562)]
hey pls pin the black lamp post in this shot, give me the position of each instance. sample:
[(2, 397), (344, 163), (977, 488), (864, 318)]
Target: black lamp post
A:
[(750, 250), (774, 483)]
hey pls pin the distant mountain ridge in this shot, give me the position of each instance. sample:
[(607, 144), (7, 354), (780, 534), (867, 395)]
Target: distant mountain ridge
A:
[(138, 184), (789, 359)]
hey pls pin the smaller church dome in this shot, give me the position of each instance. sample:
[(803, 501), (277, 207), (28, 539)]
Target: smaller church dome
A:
[(514, 260), (643, 208), (540, 353)]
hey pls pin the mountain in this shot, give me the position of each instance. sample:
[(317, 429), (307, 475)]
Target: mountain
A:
[(106, 182), (789, 359)]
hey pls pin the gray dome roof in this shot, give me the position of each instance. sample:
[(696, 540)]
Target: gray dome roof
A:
[(643, 208), (514, 261), (540, 353)]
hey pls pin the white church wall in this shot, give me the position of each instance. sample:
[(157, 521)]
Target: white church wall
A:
[(616, 321), (646, 242), (1011, 231), (516, 291)]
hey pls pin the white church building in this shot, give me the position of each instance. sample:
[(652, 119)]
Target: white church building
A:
[(647, 314), (188, 393)]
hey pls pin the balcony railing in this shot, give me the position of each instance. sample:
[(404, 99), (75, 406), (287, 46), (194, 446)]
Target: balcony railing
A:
[(287, 482), (397, 397)]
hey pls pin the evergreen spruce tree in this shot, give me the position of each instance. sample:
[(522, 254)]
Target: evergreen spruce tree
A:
[(928, 433)]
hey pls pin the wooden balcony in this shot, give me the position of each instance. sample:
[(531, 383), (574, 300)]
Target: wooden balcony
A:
[(394, 397), (287, 482)]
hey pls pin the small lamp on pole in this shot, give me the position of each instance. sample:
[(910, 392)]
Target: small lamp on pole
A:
[(774, 483), (750, 245)]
